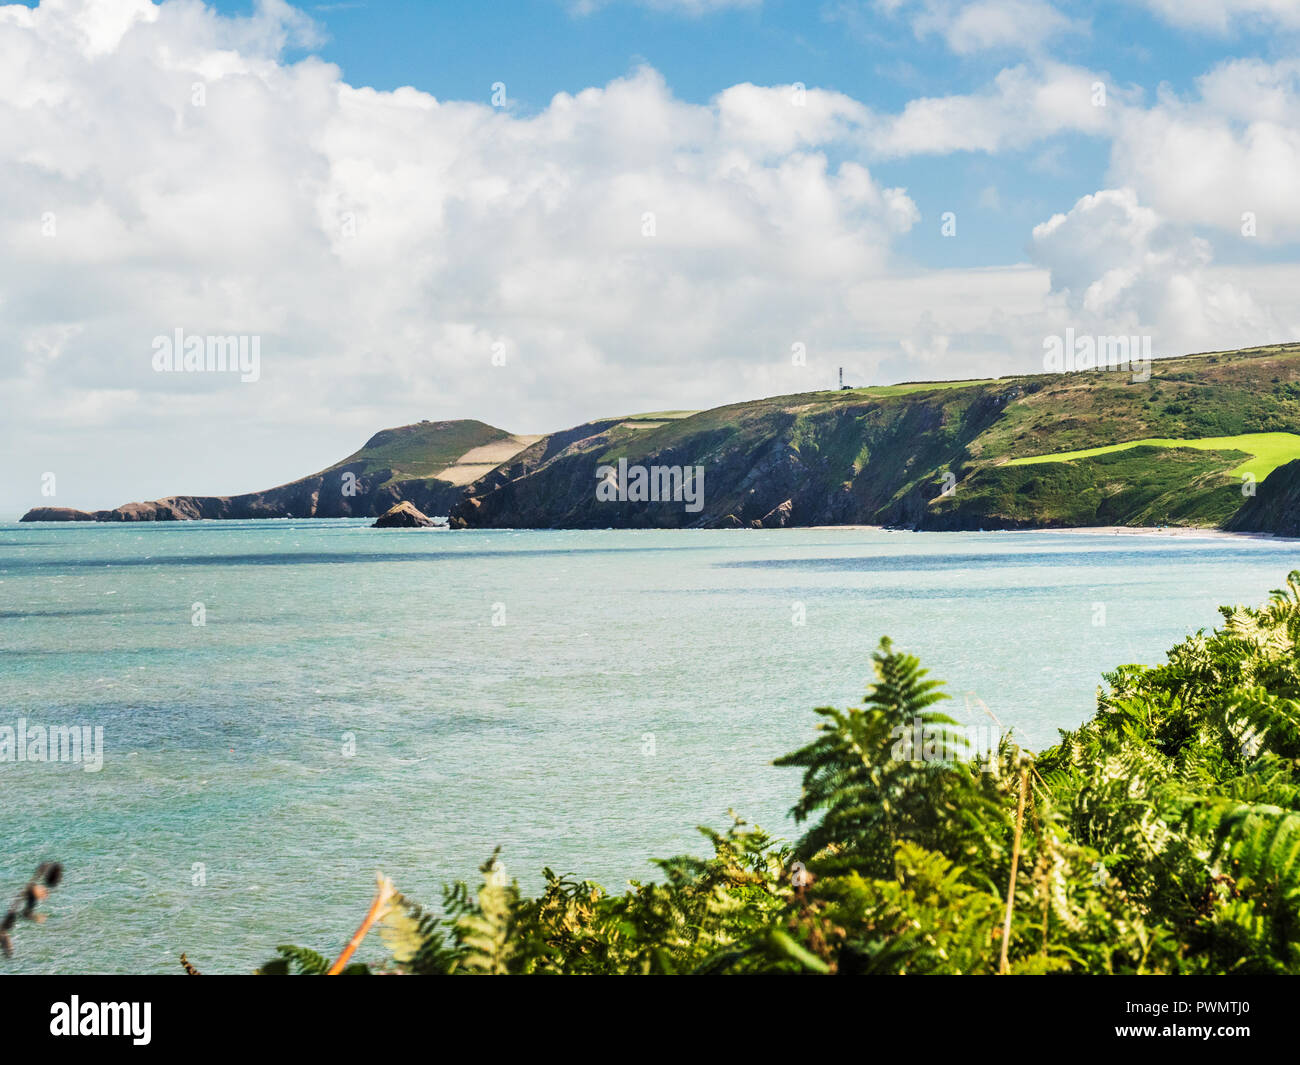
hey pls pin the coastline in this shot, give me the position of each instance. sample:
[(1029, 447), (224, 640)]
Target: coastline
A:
[(1173, 532), (1179, 532), (1176, 532)]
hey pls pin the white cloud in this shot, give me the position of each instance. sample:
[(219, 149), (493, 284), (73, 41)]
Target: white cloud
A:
[(1221, 16), (785, 118), (1234, 148), (968, 27), (1023, 105), (1117, 267), (380, 243)]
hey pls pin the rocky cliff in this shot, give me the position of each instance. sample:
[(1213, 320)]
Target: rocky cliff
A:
[(925, 455), (419, 463), (1275, 507)]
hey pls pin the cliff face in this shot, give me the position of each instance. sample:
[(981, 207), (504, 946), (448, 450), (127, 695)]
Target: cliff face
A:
[(323, 495), (320, 496), (57, 514), (389, 469), (926, 456), (773, 464), (1275, 507)]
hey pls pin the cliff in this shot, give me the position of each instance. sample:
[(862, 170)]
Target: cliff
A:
[(427, 464)]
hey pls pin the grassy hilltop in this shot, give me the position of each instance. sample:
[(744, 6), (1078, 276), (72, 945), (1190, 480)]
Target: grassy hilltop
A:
[(426, 463)]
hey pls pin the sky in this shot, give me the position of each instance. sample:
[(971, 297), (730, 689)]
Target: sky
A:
[(537, 214)]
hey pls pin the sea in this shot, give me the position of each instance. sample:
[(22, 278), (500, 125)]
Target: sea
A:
[(275, 711)]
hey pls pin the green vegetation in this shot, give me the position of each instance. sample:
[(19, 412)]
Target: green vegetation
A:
[(660, 416), (1162, 836), (1141, 486), (908, 387), (1169, 448), (421, 450), (1268, 451)]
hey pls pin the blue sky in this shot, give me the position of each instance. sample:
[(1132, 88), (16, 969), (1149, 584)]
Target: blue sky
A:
[(675, 196), (545, 46)]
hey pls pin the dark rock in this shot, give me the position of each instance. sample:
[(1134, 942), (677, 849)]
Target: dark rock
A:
[(357, 487), (778, 517), (404, 515), (1275, 506), (56, 514)]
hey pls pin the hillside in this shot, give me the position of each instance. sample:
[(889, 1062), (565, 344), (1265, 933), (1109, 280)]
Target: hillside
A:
[(1275, 507), (425, 464), (1007, 451), (1042, 450)]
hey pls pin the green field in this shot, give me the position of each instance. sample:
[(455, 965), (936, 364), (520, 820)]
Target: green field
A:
[(660, 416), (424, 449), (1268, 451), (907, 388)]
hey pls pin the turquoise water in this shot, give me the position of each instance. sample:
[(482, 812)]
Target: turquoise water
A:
[(350, 705)]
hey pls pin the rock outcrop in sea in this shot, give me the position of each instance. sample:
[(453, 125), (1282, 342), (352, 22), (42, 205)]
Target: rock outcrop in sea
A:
[(404, 515)]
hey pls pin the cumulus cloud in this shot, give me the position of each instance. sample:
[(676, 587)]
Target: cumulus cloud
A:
[(1230, 150), (1024, 104), (986, 25), (1116, 266), (163, 168)]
